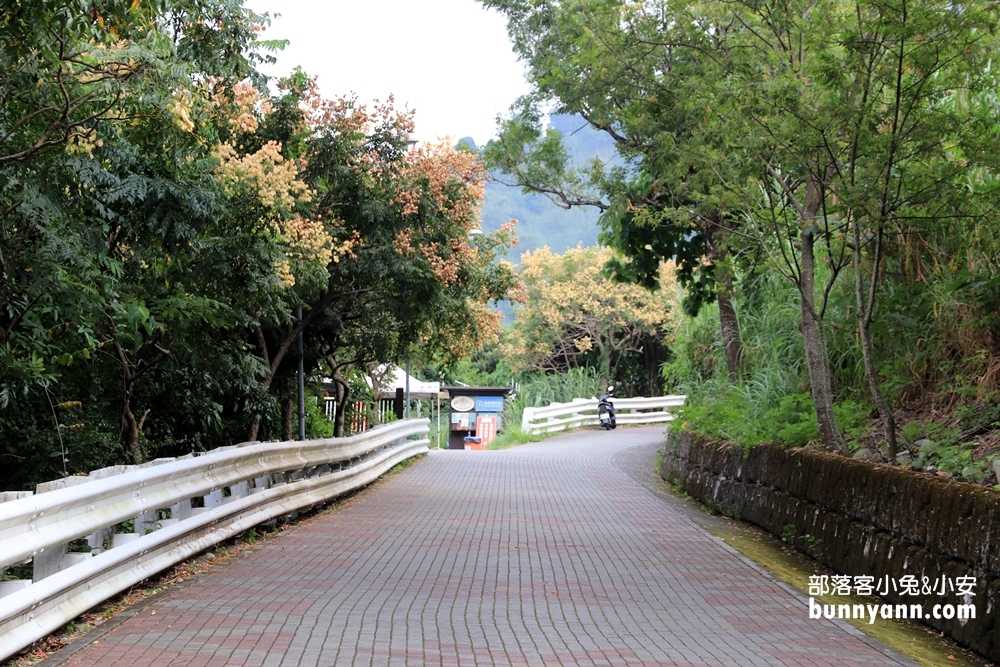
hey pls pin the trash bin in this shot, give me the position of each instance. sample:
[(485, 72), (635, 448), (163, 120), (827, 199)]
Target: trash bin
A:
[(473, 442)]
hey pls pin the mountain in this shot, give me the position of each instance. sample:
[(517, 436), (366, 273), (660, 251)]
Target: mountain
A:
[(539, 221)]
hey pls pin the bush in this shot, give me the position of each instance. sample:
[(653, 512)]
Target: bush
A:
[(728, 416), (317, 425), (539, 390), (794, 421)]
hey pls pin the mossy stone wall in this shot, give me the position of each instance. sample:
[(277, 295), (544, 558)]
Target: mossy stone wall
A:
[(859, 518)]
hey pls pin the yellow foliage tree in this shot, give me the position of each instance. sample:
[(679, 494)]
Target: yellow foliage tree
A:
[(574, 316)]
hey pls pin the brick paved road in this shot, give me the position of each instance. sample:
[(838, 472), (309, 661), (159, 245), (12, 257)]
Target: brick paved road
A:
[(545, 554)]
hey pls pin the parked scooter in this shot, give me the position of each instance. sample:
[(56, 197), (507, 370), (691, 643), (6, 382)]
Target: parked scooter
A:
[(606, 409)]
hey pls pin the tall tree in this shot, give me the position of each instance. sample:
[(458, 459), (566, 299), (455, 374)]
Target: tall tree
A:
[(380, 257), (850, 113), (97, 216), (814, 125), (617, 67), (915, 127), (575, 317)]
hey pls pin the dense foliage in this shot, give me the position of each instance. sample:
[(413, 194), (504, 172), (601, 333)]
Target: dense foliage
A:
[(575, 318), (849, 148), (164, 216)]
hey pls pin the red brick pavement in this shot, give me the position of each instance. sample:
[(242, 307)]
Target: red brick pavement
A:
[(544, 554)]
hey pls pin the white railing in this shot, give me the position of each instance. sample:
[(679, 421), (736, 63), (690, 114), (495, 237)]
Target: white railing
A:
[(583, 412), (233, 489)]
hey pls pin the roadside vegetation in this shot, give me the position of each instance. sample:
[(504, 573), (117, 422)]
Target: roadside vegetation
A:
[(171, 221), (798, 204), (822, 178), (575, 333)]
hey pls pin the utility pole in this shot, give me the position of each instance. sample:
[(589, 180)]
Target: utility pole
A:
[(302, 380)]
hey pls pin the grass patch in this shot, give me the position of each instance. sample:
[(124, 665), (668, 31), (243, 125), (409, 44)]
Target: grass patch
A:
[(513, 437), (403, 465)]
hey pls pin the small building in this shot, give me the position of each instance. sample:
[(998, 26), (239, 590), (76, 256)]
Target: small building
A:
[(474, 412)]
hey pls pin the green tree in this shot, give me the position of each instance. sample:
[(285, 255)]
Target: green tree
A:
[(800, 131), (915, 127), (100, 222), (391, 271), (846, 106), (617, 67), (574, 317)]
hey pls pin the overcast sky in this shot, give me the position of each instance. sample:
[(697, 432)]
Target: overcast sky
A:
[(450, 60)]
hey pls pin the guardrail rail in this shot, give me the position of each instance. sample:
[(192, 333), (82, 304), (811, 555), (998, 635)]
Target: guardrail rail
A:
[(178, 508), (583, 412)]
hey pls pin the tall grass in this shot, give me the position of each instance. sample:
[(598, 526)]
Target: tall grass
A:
[(771, 401), (541, 390), (773, 357), (936, 334), (773, 351)]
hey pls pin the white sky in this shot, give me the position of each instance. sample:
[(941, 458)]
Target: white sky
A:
[(450, 60)]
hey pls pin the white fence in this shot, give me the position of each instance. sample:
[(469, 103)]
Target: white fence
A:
[(179, 507), (583, 412)]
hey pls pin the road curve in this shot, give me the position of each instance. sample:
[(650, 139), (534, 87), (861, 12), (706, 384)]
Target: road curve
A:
[(545, 554)]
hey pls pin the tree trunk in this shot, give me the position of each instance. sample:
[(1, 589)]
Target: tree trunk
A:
[(130, 425), (274, 362), (604, 377), (254, 428), (817, 357), (371, 370), (130, 429), (343, 395), (341, 415), (866, 310), (731, 341)]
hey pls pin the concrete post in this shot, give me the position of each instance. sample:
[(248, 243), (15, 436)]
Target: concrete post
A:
[(52, 560), (145, 522), (47, 562), (213, 499), (237, 491), (123, 538), (261, 484)]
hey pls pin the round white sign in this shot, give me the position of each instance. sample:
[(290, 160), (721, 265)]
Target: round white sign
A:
[(463, 403)]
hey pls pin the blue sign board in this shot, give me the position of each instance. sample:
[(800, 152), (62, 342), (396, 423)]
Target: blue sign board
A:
[(489, 403)]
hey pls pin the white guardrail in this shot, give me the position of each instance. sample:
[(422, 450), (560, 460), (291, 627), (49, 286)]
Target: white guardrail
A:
[(561, 416), (179, 507)]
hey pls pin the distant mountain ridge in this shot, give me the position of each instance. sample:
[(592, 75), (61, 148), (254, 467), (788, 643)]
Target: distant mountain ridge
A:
[(539, 221)]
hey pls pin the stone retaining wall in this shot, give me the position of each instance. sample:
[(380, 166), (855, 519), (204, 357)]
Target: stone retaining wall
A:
[(858, 518)]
